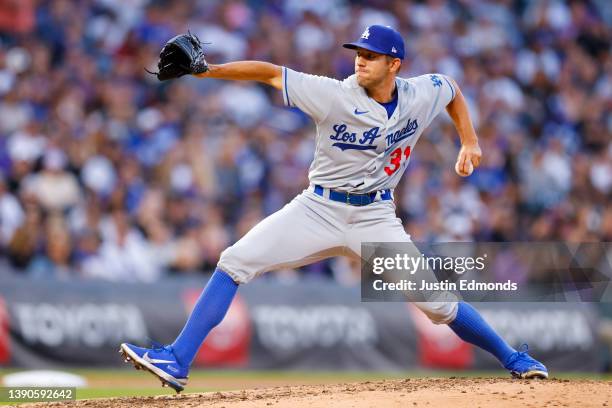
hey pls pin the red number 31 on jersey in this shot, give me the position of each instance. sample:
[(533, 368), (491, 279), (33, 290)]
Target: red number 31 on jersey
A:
[(396, 160)]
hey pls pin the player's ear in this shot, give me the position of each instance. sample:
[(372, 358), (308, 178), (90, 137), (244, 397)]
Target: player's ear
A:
[(395, 65)]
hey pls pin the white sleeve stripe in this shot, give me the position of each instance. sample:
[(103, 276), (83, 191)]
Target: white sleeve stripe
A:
[(451, 87), (286, 91)]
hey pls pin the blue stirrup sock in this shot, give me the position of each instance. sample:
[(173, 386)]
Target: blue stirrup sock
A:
[(472, 328), (209, 311)]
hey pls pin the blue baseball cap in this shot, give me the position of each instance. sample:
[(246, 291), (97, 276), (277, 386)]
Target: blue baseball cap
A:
[(381, 39)]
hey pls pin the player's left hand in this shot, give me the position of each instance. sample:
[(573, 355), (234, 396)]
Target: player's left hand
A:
[(182, 55), (468, 159)]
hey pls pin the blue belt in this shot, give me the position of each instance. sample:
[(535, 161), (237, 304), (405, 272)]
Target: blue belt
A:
[(354, 199)]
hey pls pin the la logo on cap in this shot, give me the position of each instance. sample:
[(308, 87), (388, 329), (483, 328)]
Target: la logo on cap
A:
[(366, 34), (393, 49)]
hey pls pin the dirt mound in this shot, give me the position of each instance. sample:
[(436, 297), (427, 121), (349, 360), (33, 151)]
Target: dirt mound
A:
[(439, 392)]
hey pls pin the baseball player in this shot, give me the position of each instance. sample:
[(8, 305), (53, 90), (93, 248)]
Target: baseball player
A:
[(367, 126)]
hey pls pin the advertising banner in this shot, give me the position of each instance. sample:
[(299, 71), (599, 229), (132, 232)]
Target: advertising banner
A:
[(271, 325)]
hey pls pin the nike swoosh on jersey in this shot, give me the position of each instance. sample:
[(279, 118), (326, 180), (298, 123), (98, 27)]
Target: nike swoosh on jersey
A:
[(148, 359), (358, 112)]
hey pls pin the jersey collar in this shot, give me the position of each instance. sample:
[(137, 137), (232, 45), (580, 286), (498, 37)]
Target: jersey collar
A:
[(380, 110)]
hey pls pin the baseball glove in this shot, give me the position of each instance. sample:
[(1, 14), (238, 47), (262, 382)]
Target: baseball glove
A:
[(180, 56)]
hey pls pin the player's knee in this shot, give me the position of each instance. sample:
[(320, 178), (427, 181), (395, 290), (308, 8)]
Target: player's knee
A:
[(235, 266), (439, 312), (226, 255)]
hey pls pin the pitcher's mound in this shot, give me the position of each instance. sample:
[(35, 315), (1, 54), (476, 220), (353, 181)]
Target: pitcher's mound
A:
[(422, 392)]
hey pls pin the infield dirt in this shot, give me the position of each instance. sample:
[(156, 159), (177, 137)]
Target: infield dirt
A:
[(438, 392)]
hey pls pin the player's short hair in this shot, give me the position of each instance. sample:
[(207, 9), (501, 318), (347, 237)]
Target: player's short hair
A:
[(390, 60)]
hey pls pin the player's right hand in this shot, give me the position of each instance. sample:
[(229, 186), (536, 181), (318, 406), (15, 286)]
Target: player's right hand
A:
[(468, 159)]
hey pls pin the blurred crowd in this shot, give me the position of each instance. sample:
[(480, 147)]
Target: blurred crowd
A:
[(107, 173)]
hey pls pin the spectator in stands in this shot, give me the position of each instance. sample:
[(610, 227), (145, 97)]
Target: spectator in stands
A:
[(124, 254), (54, 188), (11, 214), (54, 260), (26, 239)]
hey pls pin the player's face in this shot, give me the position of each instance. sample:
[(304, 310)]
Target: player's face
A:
[(372, 68)]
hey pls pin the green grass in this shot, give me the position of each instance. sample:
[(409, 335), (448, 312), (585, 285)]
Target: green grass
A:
[(233, 379)]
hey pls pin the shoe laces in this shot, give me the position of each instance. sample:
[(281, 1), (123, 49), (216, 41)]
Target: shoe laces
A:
[(521, 352), (523, 349), (156, 346)]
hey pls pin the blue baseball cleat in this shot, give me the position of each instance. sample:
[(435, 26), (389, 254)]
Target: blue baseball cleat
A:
[(159, 362), (522, 365)]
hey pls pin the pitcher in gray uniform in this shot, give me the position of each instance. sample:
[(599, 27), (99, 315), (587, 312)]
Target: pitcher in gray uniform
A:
[(366, 128)]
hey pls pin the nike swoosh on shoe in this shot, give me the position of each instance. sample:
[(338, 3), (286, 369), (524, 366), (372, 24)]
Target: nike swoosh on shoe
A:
[(148, 359)]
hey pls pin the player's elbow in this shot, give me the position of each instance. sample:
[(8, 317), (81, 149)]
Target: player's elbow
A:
[(276, 82), (274, 77)]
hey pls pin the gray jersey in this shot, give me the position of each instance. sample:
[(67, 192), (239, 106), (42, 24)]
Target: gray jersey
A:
[(358, 148)]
